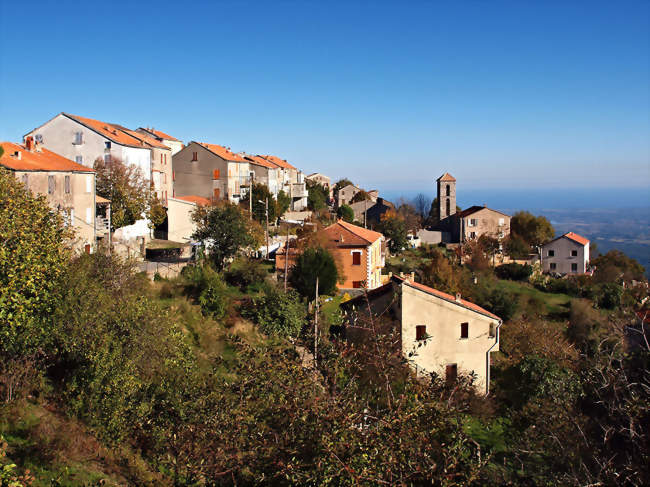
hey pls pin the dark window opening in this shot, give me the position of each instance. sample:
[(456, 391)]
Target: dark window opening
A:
[(356, 258), (67, 184), (574, 253), (448, 208), (451, 373), (551, 253), (447, 190), (195, 156), (420, 332), (356, 284), (464, 330), (574, 267)]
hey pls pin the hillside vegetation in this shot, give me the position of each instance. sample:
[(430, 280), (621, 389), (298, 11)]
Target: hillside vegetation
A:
[(109, 379)]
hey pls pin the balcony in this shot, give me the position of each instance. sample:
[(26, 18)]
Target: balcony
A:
[(298, 190), (101, 225)]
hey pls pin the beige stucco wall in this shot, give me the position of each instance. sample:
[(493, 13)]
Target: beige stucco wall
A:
[(161, 169), (442, 320), (563, 259), (180, 226), (81, 199), (487, 223)]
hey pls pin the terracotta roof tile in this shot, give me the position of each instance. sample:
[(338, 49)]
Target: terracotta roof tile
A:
[(198, 200), (352, 234), (279, 162), (447, 297), (473, 209), (37, 161), (576, 238), (260, 161), (110, 131), (447, 177), (223, 152), (148, 140), (159, 134)]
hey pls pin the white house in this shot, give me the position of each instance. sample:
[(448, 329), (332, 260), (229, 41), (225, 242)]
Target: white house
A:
[(568, 254)]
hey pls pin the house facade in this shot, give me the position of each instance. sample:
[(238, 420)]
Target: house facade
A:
[(210, 171), (68, 187), (370, 212), (567, 254), (267, 173), (180, 225), (439, 333), (173, 143), (292, 181), (345, 194), (321, 179), (480, 220), (359, 253)]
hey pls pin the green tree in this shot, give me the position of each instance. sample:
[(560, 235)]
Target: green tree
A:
[(277, 312), (345, 213), (615, 266), (262, 194), (341, 183), (317, 196), (283, 202), (361, 195), (534, 230), (311, 264), (516, 247), (33, 256), (223, 230), (129, 191), (393, 227)]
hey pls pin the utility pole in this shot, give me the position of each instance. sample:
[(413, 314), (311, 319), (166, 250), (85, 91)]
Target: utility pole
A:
[(267, 228), (365, 212), (316, 329), (250, 194), (286, 259)]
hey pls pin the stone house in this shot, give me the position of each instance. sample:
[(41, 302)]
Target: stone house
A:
[(321, 179), (438, 333), (359, 252), (172, 142), (68, 187), (292, 182), (345, 194), (266, 172), (210, 171), (567, 254), (480, 220), (370, 212)]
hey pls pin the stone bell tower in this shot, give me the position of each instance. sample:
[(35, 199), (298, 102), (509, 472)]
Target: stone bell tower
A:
[(446, 197)]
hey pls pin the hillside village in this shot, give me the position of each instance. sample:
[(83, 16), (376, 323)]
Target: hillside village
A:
[(230, 274)]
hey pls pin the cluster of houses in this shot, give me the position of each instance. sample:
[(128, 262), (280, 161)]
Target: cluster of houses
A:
[(438, 332)]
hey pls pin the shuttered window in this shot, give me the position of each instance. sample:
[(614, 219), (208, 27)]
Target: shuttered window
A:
[(67, 185), (420, 332), (50, 185), (215, 174), (464, 330), (356, 258)]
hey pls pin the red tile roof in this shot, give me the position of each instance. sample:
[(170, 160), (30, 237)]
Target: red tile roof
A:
[(576, 238), (260, 161), (352, 234), (110, 131), (223, 152), (279, 162), (198, 200), (447, 177), (37, 161), (447, 297), (160, 134), (474, 209), (148, 140)]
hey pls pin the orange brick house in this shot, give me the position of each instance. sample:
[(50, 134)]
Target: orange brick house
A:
[(359, 252)]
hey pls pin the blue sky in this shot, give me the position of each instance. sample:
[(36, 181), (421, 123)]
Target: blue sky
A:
[(500, 94)]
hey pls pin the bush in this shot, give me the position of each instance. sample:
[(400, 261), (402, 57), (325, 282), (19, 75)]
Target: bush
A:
[(244, 273), (277, 313), (213, 298), (514, 271), (608, 295)]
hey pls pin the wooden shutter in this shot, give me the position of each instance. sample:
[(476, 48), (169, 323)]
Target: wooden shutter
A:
[(215, 174), (356, 258), (50, 184), (451, 373), (464, 330), (216, 193), (420, 332), (67, 184)]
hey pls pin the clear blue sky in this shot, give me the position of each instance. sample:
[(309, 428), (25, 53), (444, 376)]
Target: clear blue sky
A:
[(501, 94)]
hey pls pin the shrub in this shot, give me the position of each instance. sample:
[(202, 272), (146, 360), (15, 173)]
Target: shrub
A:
[(514, 271), (608, 295), (315, 263), (277, 313), (244, 273), (213, 298)]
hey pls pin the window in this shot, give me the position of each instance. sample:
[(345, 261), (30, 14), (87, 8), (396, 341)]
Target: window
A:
[(356, 284), (67, 185), (574, 267), (161, 158), (448, 190), (107, 158), (78, 138), (420, 332), (25, 179), (79, 159), (89, 184), (451, 373), (472, 234), (502, 221), (88, 216), (50, 185), (574, 253), (356, 258), (215, 192), (107, 144), (464, 330), (448, 205), (195, 156), (165, 158), (551, 253), (215, 174), (553, 266), (493, 330), (472, 222), (38, 138)]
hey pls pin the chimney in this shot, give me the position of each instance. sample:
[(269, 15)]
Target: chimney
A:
[(458, 297), (413, 276), (29, 143)]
